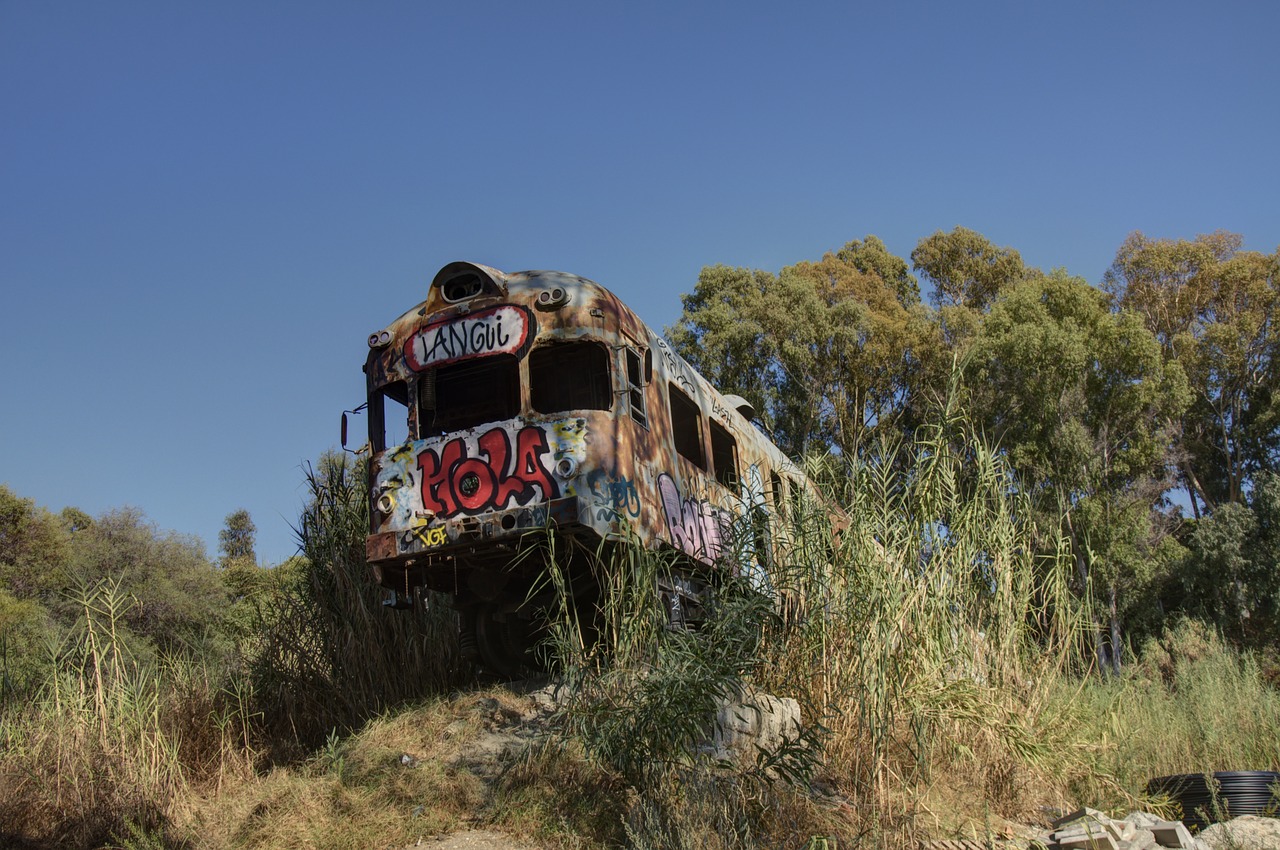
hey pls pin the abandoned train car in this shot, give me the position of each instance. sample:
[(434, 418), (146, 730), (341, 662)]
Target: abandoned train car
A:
[(506, 403)]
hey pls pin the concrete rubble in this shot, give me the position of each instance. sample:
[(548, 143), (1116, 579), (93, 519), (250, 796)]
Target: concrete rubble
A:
[(1090, 829), (1251, 831)]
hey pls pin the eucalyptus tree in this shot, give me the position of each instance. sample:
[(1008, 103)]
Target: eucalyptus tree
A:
[(827, 351), (1216, 311), (966, 269), (1080, 399)]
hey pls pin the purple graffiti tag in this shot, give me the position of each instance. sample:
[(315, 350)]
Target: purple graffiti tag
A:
[(697, 527)]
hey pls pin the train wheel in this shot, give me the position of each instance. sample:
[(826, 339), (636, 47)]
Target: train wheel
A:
[(506, 642)]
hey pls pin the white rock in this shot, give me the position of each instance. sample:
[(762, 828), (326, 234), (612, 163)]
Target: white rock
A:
[(1251, 831)]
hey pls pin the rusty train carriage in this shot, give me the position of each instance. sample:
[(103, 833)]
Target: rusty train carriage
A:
[(538, 399)]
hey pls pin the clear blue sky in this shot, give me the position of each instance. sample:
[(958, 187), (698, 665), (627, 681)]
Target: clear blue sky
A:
[(206, 207)]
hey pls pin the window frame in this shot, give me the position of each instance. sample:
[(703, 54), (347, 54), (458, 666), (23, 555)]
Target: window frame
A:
[(722, 439), (637, 404), (427, 424), (678, 398), (536, 376)]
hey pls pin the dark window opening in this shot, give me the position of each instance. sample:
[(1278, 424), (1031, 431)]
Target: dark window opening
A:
[(463, 395), (778, 495), (570, 376), (389, 416), (724, 455), (462, 287), (797, 501), (686, 426), (635, 388), (760, 535)]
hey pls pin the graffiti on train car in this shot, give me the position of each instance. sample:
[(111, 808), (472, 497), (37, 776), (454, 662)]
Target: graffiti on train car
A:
[(501, 330), (456, 482), (504, 467), (698, 528), (615, 497)]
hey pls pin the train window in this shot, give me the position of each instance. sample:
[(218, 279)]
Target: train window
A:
[(635, 387), (463, 395), (724, 455), (570, 376), (686, 426), (389, 416), (779, 495), (797, 500)]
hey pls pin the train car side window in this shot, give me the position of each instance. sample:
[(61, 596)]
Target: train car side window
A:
[(635, 387), (724, 455), (570, 376), (389, 416), (463, 395), (797, 500), (686, 426), (779, 495)]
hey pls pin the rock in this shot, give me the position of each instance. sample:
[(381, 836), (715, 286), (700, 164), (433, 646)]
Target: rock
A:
[(1256, 833), (1172, 833), (1142, 840), (1142, 820), (1079, 814), (754, 719)]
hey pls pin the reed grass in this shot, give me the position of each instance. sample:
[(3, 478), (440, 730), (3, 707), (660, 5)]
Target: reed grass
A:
[(328, 655), (110, 747), (1192, 704)]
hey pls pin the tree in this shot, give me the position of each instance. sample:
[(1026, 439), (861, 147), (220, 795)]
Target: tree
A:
[(966, 269), (177, 593), (826, 351), (1232, 570), (33, 547), (1216, 311), (236, 539), (1080, 399)]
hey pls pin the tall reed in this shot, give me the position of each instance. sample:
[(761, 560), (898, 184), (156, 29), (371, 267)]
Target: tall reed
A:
[(328, 654), (928, 621), (110, 745)]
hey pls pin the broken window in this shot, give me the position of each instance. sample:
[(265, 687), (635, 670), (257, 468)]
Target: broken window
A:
[(567, 376), (797, 500), (686, 426), (636, 381), (778, 494), (389, 416), (724, 455), (463, 395)]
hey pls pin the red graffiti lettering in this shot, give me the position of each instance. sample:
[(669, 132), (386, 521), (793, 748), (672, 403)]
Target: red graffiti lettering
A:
[(454, 482)]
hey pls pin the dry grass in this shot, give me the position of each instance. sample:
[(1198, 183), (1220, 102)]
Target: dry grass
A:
[(929, 645), (110, 749), (449, 764)]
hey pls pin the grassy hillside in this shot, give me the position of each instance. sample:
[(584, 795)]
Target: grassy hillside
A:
[(936, 646)]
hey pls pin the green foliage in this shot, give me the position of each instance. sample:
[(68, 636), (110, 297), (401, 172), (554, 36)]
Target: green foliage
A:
[(33, 548), (966, 270), (1215, 310), (1232, 569), (1081, 401), (179, 596), (236, 539), (324, 652), (827, 351), (27, 632)]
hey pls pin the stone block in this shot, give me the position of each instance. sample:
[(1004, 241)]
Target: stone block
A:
[(1172, 833)]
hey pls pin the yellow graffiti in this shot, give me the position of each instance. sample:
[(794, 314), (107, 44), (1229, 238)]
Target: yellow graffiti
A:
[(431, 536)]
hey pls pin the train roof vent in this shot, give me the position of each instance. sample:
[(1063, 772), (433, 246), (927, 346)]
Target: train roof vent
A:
[(458, 282), (741, 405)]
